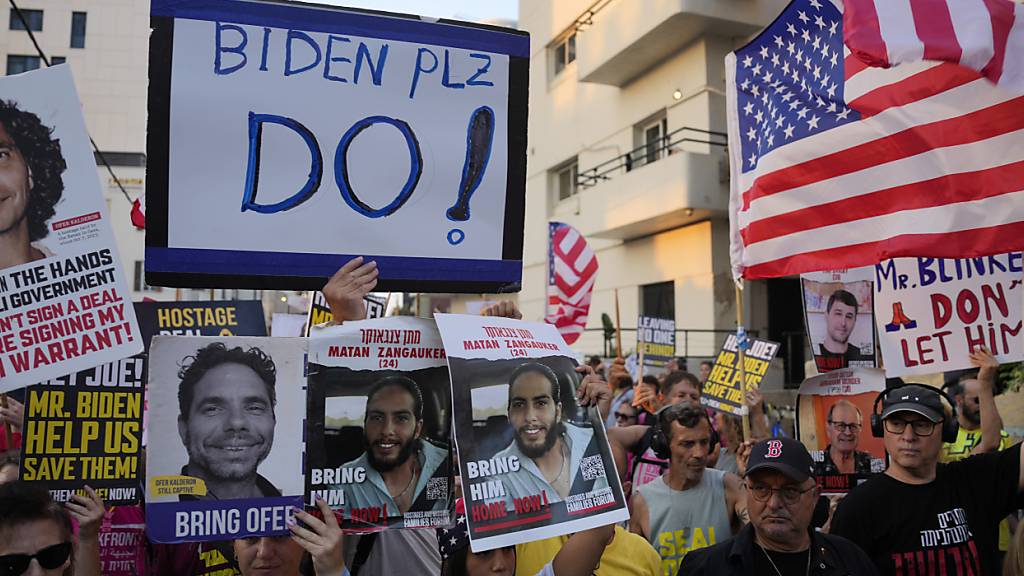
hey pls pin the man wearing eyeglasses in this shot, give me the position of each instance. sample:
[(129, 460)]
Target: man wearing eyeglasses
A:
[(923, 517), (779, 541), (841, 455)]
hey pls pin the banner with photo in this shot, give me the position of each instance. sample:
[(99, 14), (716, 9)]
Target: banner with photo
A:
[(656, 341), (64, 302), (514, 399), (378, 427), (425, 162), (834, 422), (932, 312), (839, 316), (226, 421), (88, 432), (722, 391)]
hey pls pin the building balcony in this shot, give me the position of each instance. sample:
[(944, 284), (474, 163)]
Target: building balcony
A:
[(628, 37), (657, 187)]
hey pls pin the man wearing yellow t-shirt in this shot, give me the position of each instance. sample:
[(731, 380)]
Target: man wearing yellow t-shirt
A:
[(981, 426), (628, 555)]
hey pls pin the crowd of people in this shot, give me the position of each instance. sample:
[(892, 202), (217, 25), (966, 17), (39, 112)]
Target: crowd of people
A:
[(702, 500)]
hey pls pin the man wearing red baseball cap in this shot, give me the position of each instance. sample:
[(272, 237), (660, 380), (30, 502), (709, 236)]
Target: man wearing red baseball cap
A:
[(779, 541)]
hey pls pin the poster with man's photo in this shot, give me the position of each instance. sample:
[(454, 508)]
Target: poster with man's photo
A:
[(64, 302), (534, 464), (840, 320), (834, 422), (225, 437), (378, 433)]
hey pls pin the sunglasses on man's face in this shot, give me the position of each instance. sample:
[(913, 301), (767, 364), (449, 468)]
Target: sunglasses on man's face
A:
[(49, 558)]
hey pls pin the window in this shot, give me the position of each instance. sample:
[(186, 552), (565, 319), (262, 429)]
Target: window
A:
[(139, 284), (567, 179), (54, 60), (651, 140), (564, 52), (33, 17), (17, 64), (658, 300), (78, 29)]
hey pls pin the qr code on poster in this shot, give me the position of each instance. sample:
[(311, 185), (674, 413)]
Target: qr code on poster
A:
[(437, 489), (592, 467)]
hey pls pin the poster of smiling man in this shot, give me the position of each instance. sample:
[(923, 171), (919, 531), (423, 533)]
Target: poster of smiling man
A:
[(534, 463), (225, 436), (840, 318), (379, 424), (64, 302)]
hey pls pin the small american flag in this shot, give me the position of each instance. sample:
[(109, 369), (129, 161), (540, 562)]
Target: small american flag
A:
[(572, 268), (836, 164)]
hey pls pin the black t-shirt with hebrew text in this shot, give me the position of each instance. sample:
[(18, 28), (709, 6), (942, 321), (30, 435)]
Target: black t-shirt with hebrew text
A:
[(948, 526)]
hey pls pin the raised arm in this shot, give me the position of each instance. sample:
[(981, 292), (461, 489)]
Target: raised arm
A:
[(736, 502), (991, 422), (582, 552), (88, 511), (594, 391), (622, 441), (345, 290)]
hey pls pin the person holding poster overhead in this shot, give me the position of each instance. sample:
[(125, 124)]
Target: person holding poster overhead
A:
[(31, 164), (920, 516), (226, 423)]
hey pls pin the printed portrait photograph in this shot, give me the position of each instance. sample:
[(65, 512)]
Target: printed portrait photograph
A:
[(227, 412), (379, 442), (840, 324)]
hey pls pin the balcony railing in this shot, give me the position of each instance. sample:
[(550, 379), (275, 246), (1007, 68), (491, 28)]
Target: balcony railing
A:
[(649, 153)]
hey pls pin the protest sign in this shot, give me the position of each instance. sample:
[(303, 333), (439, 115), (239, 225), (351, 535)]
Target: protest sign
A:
[(226, 420), (258, 176), (63, 298), (834, 422), (88, 432), (722, 390), (378, 437), (514, 401), (216, 318), (320, 311), (656, 337), (839, 317), (932, 312)]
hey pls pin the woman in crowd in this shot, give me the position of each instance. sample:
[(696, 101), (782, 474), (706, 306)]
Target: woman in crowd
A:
[(36, 534)]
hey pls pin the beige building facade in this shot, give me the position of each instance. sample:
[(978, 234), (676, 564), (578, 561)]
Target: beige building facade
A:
[(626, 144)]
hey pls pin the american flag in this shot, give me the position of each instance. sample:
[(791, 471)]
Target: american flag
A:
[(838, 165), (572, 268), (977, 34)]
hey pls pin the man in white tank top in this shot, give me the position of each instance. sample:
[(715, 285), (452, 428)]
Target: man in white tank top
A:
[(690, 506)]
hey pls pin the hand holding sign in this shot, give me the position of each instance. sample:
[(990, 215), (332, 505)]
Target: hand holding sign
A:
[(593, 391), (347, 288), (323, 539), (987, 364), (13, 413), (87, 509), (503, 309)]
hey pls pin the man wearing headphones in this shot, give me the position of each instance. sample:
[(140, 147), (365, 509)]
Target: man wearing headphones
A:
[(690, 506), (923, 517)]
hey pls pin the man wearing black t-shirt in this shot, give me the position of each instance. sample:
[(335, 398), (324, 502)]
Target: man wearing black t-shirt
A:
[(922, 517)]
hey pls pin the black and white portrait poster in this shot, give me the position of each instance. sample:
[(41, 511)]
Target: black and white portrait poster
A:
[(64, 302), (534, 464), (225, 436), (378, 438)]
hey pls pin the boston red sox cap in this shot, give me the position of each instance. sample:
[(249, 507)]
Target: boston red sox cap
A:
[(785, 455)]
